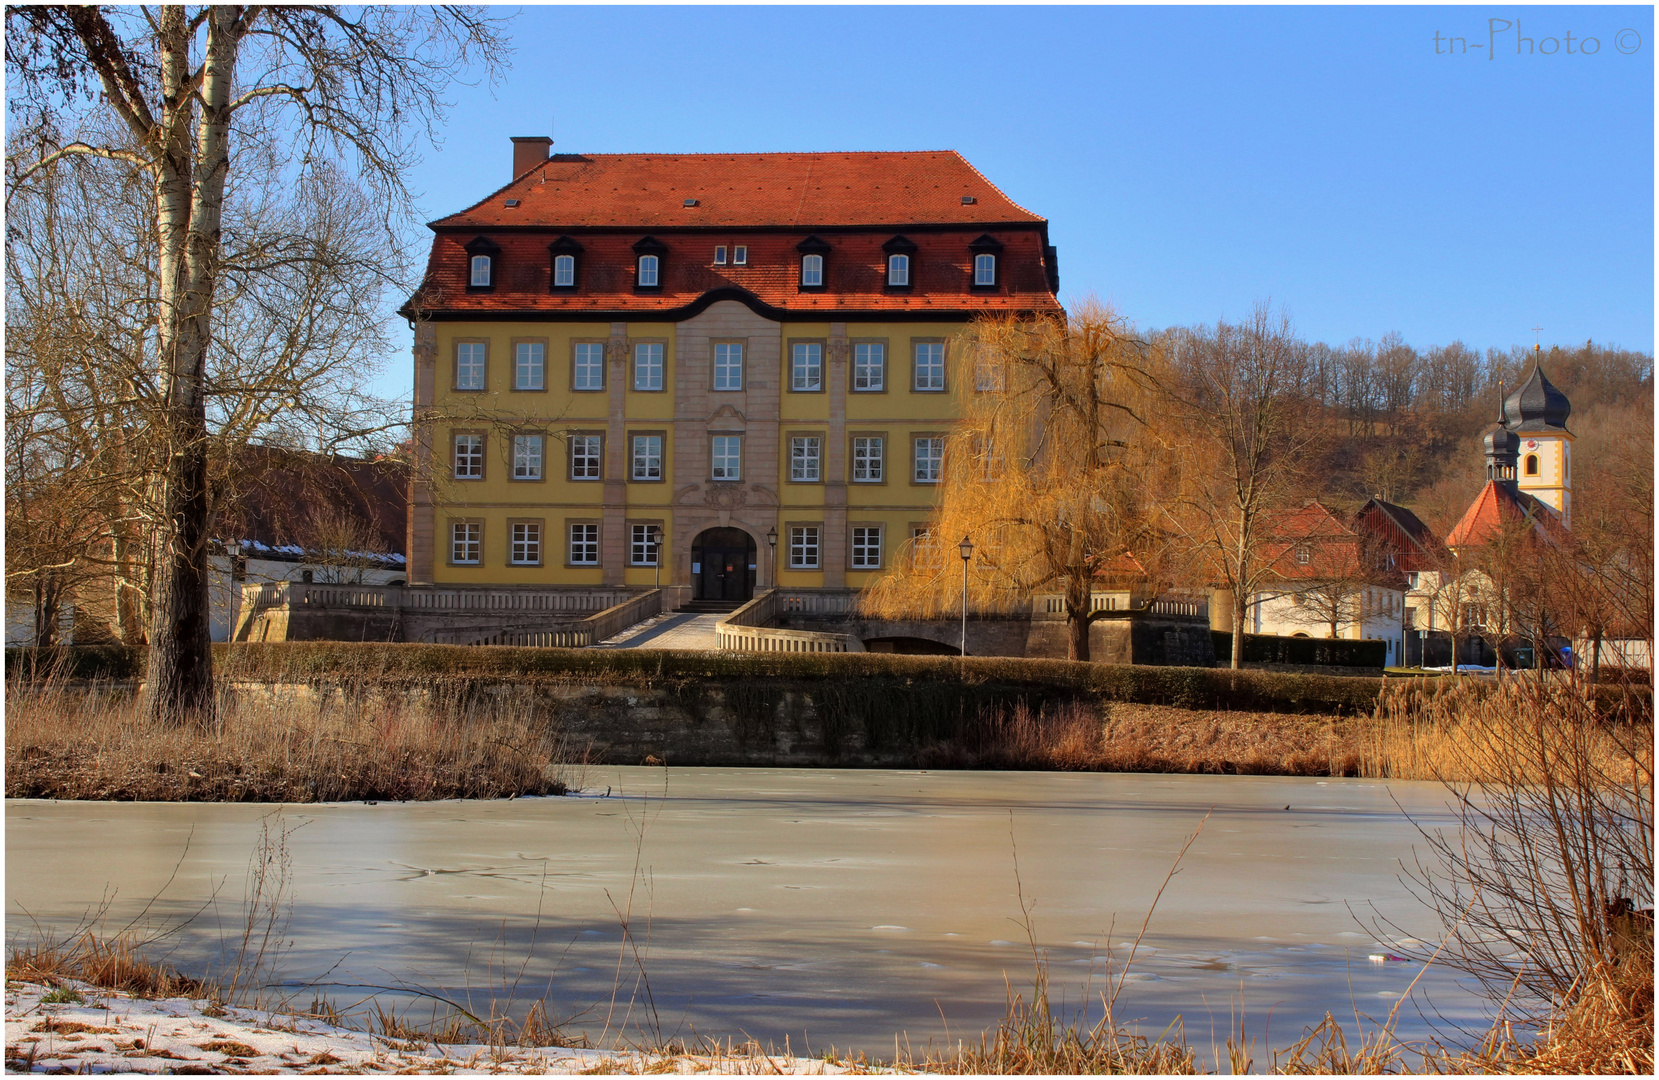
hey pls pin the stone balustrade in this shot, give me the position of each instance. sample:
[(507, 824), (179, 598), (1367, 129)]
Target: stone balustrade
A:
[(747, 629)]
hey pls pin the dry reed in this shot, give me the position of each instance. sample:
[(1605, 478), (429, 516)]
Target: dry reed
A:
[(112, 963), (283, 744)]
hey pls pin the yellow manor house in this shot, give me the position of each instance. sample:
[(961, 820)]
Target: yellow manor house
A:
[(703, 370)]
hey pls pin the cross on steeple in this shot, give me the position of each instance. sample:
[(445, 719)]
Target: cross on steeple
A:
[(1537, 340)]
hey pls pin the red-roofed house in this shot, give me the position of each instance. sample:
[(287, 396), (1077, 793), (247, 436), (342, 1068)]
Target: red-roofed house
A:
[(1329, 581), (724, 351)]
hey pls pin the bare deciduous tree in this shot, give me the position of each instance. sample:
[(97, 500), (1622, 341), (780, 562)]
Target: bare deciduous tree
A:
[(1246, 431), (178, 94)]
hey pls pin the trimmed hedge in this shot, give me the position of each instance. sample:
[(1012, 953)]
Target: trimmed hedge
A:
[(1322, 652), (347, 662), (864, 680)]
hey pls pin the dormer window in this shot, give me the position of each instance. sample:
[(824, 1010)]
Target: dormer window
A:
[(813, 250), (740, 255), (481, 258), (566, 254), (899, 251), (720, 254), (985, 252), (648, 255)]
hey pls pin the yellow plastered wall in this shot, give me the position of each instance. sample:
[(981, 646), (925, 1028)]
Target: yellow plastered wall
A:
[(898, 413)]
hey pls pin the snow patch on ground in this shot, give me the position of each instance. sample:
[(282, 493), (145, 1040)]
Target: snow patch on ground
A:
[(117, 1033)]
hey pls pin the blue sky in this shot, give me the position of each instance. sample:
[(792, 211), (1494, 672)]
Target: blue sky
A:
[(1191, 160)]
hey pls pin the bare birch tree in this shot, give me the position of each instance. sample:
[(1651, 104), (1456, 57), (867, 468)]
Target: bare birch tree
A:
[(1045, 471), (186, 87), (1246, 432)]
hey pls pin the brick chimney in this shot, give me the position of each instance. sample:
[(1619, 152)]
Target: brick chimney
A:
[(530, 151)]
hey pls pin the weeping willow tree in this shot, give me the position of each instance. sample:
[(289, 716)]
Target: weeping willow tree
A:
[(1047, 472)]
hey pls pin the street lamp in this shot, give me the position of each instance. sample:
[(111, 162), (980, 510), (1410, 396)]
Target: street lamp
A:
[(656, 555), (772, 543), (966, 547)]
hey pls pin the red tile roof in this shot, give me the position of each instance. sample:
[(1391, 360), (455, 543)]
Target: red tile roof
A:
[(854, 272), (1401, 533), (648, 192), (1494, 509)]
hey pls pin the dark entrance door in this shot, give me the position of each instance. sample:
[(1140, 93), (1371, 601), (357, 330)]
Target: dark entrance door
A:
[(723, 565)]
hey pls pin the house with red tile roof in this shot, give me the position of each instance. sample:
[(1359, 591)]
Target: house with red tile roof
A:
[(1330, 580), (712, 371)]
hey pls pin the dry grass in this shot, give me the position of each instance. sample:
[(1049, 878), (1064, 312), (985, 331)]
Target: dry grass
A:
[(1416, 734), (112, 963), (1121, 737), (73, 742), (1426, 730)]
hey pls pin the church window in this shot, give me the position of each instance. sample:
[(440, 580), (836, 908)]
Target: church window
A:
[(1532, 464)]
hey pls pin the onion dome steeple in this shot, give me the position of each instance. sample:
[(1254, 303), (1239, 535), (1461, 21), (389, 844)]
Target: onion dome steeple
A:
[(1536, 405), (1503, 449)]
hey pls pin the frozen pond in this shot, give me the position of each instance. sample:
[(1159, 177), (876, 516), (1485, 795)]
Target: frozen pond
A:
[(826, 906)]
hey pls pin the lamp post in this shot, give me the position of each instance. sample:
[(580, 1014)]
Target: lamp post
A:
[(656, 555), (966, 547), (772, 543)]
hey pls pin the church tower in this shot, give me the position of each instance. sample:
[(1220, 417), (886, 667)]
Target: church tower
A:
[(1537, 414)]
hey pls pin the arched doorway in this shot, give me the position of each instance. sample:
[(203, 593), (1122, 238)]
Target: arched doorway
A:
[(723, 565)]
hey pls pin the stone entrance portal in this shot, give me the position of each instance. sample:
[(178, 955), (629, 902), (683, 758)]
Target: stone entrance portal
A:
[(723, 565)]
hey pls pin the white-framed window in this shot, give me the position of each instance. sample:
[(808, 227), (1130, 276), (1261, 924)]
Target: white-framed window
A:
[(469, 365), (588, 366), (524, 549), (989, 375), (647, 457), (726, 453), (642, 549), (924, 548), (930, 365), (869, 366), (806, 366), (728, 365), (867, 459), (466, 543), (469, 457), (1303, 555), (530, 366), (481, 269), (720, 254), (740, 255), (584, 545), (988, 451), (930, 459), (564, 271), (806, 456), (866, 547), (803, 547), (527, 457), (585, 456), (898, 269), (985, 269), (812, 271), (647, 275), (648, 369)]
